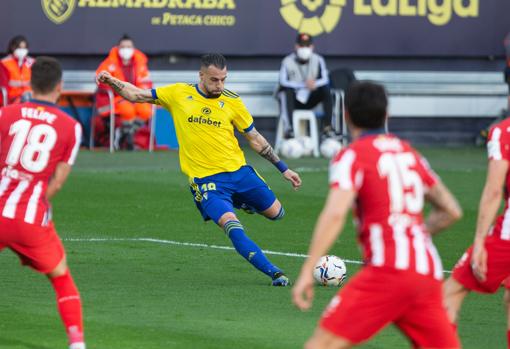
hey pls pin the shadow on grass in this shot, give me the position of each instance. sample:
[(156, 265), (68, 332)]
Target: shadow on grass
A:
[(8, 342)]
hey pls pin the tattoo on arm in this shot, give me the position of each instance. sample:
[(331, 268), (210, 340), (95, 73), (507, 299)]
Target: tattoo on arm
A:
[(269, 153), (261, 146), (117, 85), (264, 148)]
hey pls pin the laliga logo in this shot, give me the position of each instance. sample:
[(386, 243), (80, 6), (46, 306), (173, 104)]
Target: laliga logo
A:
[(315, 25), (58, 11)]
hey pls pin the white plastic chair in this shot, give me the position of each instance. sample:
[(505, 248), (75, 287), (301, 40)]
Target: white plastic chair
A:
[(279, 135), (111, 101), (3, 91), (152, 127), (301, 115)]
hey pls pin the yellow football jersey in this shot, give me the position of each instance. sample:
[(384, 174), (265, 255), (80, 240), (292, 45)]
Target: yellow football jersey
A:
[(205, 128)]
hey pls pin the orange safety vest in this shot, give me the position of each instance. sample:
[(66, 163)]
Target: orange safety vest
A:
[(113, 64), (18, 77)]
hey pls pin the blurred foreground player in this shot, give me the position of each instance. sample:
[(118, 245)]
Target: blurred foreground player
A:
[(486, 264), (38, 146), (401, 280), (205, 115)]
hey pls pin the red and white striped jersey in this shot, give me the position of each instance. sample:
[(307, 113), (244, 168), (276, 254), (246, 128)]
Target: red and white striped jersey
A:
[(498, 148), (390, 179), (34, 137)]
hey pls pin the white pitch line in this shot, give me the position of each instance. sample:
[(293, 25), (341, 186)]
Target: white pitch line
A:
[(194, 244), (311, 169)]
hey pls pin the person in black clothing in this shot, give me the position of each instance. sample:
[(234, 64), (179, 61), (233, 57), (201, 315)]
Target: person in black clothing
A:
[(303, 84)]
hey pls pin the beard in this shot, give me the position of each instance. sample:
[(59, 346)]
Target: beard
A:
[(212, 94)]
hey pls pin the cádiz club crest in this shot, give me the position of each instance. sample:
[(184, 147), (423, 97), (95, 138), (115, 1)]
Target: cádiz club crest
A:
[(316, 23), (58, 11)]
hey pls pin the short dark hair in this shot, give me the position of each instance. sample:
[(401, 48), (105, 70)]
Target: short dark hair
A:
[(304, 39), (214, 59), (125, 37), (46, 74), (14, 43), (367, 104)]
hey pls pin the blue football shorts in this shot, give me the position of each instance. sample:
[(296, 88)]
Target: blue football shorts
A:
[(222, 192)]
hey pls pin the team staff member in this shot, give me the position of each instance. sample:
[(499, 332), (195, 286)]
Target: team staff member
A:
[(15, 70), (126, 63), (205, 115), (304, 83)]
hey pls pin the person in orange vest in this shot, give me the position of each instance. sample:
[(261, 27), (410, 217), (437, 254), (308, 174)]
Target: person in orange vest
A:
[(126, 63), (16, 70)]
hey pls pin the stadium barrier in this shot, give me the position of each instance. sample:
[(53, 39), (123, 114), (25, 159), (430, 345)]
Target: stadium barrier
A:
[(412, 94)]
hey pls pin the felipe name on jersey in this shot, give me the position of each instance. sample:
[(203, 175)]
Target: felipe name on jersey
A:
[(204, 121), (38, 113)]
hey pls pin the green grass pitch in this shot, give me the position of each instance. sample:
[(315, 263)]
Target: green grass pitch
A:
[(154, 295)]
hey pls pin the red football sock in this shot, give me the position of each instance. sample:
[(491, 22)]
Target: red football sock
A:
[(69, 306), (508, 338)]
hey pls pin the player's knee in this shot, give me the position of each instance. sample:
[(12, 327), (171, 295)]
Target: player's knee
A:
[(59, 270), (228, 216), (279, 215), (447, 288), (506, 298), (314, 343), (327, 342)]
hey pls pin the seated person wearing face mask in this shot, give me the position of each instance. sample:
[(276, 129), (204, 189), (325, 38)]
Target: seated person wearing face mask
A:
[(16, 70), (126, 63), (304, 83)]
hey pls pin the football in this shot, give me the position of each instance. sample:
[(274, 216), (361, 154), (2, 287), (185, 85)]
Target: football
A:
[(330, 271), (292, 149), (307, 144), (329, 147)]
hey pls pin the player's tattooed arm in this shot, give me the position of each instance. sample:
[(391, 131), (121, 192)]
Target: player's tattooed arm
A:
[(125, 89), (445, 209), (261, 146), (117, 85)]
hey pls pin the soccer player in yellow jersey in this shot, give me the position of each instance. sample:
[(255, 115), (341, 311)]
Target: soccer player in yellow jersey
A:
[(205, 115)]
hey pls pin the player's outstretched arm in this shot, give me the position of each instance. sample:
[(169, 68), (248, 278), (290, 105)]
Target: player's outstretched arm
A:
[(487, 210), (327, 229), (445, 208), (261, 145), (59, 178), (125, 89)]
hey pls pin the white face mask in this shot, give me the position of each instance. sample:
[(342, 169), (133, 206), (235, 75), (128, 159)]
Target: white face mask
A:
[(20, 53), (304, 53), (126, 53)]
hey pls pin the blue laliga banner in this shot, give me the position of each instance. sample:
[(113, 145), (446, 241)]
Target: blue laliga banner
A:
[(261, 27)]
